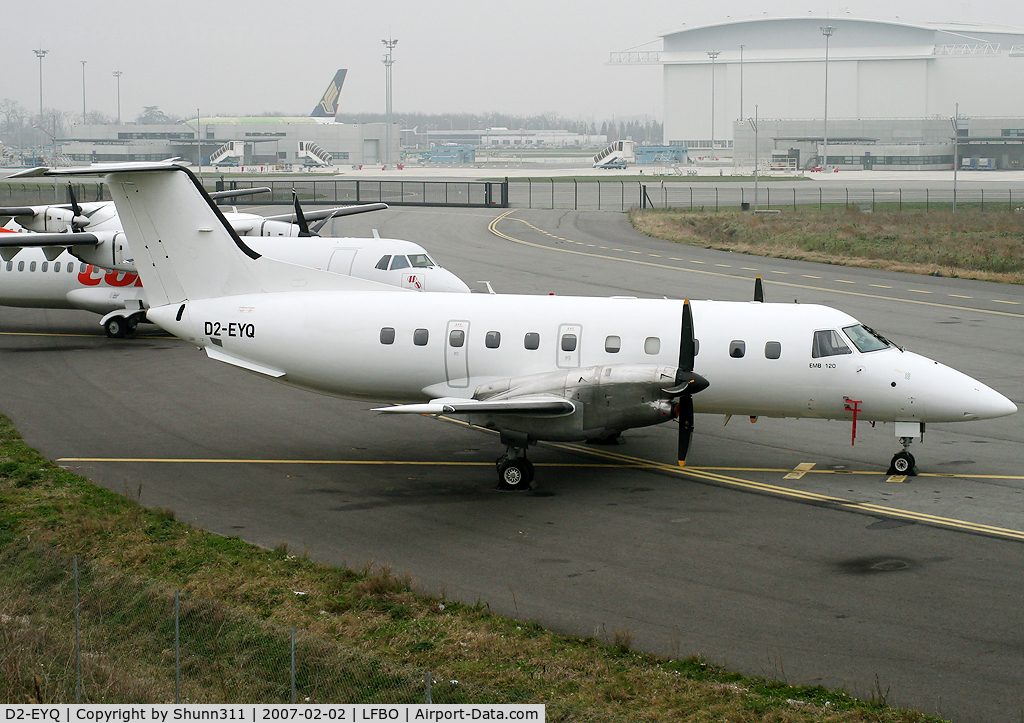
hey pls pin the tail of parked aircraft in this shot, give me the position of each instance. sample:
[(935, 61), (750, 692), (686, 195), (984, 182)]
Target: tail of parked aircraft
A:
[(328, 105), (185, 249)]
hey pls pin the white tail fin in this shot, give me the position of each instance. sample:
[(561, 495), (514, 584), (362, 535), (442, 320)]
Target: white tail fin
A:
[(184, 249)]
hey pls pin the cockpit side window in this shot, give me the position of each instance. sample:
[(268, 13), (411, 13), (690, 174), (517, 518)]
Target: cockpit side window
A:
[(383, 263), (399, 262), (865, 338), (421, 261), (828, 342)]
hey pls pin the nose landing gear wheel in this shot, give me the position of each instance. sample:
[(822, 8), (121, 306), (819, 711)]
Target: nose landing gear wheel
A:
[(515, 474), (903, 463)]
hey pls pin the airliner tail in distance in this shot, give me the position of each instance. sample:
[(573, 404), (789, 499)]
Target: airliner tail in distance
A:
[(328, 105)]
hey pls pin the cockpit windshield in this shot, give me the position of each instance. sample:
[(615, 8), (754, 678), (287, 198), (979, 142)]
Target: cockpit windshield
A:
[(865, 338), (421, 261)]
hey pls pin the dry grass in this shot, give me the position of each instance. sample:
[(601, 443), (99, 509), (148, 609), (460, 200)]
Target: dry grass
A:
[(370, 624), (969, 244)]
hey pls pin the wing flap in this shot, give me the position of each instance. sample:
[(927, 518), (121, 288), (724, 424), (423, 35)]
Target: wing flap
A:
[(532, 406)]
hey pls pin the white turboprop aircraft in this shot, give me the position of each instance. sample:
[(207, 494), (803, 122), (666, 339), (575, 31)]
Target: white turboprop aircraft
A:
[(42, 270), (531, 367)]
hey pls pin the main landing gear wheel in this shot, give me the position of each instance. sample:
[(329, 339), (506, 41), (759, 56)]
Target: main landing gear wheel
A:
[(903, 463), (515, 474), (117, 327)]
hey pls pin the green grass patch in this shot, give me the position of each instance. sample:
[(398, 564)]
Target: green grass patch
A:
[(972, 243), (361, 636)]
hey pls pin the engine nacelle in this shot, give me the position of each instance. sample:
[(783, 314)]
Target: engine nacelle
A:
[(112, 252), (611, 398)]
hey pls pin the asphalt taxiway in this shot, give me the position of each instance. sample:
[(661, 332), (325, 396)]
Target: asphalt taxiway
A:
[(839, 575)]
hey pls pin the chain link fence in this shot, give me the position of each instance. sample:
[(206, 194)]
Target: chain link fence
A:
[(623, 195), (73, 631)]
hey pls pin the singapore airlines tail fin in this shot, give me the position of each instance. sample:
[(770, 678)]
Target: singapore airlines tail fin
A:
[(185, 249), (328, 105)]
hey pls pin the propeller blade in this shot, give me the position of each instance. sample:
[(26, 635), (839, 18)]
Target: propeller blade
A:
[(685, 411), (686, 345), (321, 223), (78, 221), (690, 385), (300, 219), (758, 289)]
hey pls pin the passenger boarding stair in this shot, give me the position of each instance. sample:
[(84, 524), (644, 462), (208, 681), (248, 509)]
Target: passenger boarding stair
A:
[(617, 152), (231, 153), (314, 155)]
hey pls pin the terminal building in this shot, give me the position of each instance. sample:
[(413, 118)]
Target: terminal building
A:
[(893, 89)]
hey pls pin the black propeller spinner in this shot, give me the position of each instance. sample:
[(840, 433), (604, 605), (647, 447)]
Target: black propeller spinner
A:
[(300, 219), (687, 383)]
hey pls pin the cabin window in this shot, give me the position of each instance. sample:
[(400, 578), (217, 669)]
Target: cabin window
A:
[(10, 265), (387, 335), (32, 266), (865, 338), (84, 268), (71, 267), (45, 266), (531, 340), (612, 344), (828, 342), (772, 350), (421, 261), (457, 337), (696, 347), (492, 340), (21, 266), (383, 263), (568, 342), (56, 266), (737, 349), (420, 337), (652, 345), (399, 262)]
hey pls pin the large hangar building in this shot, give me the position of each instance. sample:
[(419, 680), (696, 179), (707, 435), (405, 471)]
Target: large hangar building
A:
[(890, 83)]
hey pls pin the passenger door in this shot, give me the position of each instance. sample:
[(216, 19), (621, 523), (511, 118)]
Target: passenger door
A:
[(456, 354)]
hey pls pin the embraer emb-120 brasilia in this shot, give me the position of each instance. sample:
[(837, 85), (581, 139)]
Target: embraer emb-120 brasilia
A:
[(530, 367)]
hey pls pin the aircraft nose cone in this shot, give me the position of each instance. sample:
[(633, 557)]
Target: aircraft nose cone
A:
[(447, 281), (992, 404)]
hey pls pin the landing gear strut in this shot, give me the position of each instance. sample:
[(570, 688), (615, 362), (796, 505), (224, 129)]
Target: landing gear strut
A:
[(903, 462), (515, 471)]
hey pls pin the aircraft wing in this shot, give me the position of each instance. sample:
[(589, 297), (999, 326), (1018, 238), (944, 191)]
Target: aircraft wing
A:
[(32, 240), (322, 213), (15, 211), (538, 405)]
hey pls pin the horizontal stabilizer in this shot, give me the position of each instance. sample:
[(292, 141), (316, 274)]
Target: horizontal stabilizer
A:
[(533, 406), (15, 211), (234, 193), (322, 213)]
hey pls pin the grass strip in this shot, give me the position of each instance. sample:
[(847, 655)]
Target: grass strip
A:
[(362, 636), (972, 243)]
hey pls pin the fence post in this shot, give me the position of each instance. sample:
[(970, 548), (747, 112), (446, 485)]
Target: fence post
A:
[(529, 190), (622, 195), (768, 194), (847, 198), (357, 192), (819, 198), (429, 698), (742, 197), (177, 650), (901, 200), (78, 648), (598, 195), (872, 200), (575, 195), (691, 198), (794, 198), (293, 666), (552, 193), (926, 200), (983, 199), (716, 199)]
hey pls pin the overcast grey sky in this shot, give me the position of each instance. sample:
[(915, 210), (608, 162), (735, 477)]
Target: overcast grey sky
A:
[(235, 57)]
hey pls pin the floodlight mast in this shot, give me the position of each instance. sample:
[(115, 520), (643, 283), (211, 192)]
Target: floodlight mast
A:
[(713, 54), (753, 123), (117, 74), (41, 54), (827, 31), (390, 44), (956, 149)]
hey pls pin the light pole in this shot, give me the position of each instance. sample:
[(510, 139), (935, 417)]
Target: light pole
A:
[(713, 54), (753, 122), (83, 91), (390, 44), (41, 54), (827, 31), (741, 81), (956, 149), (118, 74)]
